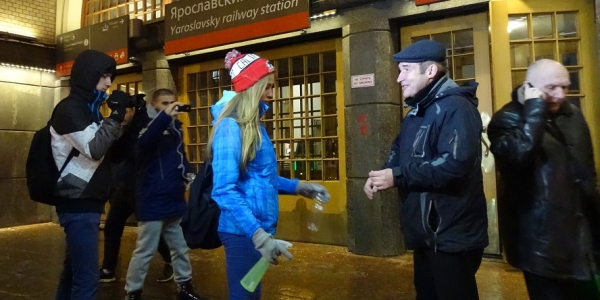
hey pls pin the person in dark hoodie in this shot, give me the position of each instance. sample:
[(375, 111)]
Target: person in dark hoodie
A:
[(122, 198), (82, 137), (162, 173), (435, 164), (548, 202)]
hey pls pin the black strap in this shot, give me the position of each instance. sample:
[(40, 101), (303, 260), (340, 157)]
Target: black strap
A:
[(71, 154), (73, 151)]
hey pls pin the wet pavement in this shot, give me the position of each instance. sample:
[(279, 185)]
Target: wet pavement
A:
[(31, 258)]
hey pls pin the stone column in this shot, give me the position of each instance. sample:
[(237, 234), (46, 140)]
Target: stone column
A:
[(156, 73), (597, 34), (27, 98), (372, 122)]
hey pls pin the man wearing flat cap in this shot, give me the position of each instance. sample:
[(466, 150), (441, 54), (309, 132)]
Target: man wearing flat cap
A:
[(435, 165)]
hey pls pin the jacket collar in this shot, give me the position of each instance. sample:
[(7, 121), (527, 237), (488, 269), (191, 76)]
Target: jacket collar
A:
[(425, 97), (262, 108), (565, 108)]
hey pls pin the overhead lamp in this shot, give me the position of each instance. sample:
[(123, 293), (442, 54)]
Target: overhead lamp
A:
[(324, 14), (7, 65), (18, 36)]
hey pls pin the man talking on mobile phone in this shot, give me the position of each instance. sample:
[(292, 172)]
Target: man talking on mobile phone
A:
[(548, 202)]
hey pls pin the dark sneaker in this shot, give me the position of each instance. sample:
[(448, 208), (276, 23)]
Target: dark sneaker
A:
[(185, 291), (107, 276), (167, 273), (135, 295)]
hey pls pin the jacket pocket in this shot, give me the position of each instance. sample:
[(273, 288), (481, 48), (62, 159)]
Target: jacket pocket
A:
[(431, 219), (418, 147)]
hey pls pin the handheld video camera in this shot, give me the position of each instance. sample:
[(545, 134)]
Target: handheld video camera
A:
[(183, 108), (136, 101)]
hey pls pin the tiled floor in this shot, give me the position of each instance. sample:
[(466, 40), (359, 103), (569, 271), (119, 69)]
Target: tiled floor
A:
[(31, 257)]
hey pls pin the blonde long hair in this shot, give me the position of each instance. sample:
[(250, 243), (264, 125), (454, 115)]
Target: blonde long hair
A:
[(244, 109)]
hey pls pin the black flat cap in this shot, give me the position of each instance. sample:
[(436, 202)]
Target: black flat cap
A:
[(420, 51)]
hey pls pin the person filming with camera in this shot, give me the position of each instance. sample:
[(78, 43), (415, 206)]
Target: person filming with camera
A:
[(80, 140), (162, 172), (122, 196)]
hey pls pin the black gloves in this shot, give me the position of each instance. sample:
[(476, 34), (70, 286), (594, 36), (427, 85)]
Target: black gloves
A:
[(118, 102)]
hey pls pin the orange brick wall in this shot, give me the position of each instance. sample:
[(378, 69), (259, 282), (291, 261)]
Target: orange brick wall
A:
[(35, 17)]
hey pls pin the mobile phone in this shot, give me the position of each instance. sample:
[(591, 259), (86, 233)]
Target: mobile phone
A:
[(183, 108)]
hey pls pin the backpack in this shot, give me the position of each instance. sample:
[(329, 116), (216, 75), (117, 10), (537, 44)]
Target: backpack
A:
[(201, 219), (40, 168)]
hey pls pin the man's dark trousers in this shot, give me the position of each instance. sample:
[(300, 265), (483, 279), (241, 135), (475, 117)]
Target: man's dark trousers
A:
[(544, 288), (122, 205), (446, 275)]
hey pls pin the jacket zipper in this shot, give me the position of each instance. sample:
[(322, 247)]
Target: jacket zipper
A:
[(162, 176), (454, 141), (435, 235), (426, 225)]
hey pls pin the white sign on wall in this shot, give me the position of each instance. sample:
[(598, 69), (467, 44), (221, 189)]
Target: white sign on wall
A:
[(363, 80)]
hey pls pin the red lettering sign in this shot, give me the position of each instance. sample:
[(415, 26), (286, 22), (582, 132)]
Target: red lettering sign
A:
[(423, 2)]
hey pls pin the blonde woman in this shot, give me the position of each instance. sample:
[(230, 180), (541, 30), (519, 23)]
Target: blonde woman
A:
[(246, 184)]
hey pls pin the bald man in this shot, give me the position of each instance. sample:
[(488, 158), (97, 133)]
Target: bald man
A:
[(548, 201)]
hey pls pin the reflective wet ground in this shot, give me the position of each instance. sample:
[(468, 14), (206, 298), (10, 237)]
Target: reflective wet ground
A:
[(31, 258)]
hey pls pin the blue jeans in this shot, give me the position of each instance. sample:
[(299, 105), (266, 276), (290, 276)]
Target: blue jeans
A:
[(79, 278), (240, 257)]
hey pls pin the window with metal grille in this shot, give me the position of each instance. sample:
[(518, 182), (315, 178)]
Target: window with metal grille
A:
[(460, 53), (131, 87), (553, 35), (204, 89), (302, 120), (96, 11)]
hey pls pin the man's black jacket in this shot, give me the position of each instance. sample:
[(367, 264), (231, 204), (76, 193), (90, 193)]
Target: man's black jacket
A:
[(547, 201), (436, 162)]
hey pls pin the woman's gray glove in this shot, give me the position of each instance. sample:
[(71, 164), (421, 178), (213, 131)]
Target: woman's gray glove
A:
[(313, 191), (269, 247)]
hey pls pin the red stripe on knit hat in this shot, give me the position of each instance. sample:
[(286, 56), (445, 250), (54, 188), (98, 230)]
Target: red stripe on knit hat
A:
[(241, 63), (251, 74)]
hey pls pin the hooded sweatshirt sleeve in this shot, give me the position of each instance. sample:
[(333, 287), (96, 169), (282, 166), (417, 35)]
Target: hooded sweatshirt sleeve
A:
[(90, 139), (226, 149)]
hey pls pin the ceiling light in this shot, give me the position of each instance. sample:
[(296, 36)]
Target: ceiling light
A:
[(324, 14), (27, 68)]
